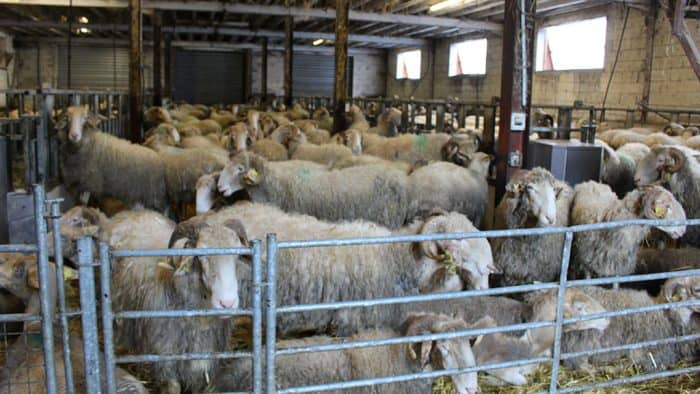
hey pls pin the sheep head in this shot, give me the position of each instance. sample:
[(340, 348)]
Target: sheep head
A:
[(206, 192), (267, 125), (244, 170), (18, 275), (157, 115), (78, 222), (352, 138), (657, 203), (459, 147), (76, 118), (480, 163), (239, 138), (214, 276), (659, 165), (531, 199), (452, 265), (321, 113), (679, 290), (442, 354)]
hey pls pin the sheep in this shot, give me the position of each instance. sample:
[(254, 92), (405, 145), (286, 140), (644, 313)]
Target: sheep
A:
[(300, 149), (182, 282), (313, 133), (23, 371), (368, 362), (412, 148), (674, 129), (662, 139), (324, 119), (533, 199), (450, 187), (651, 261), (155, 116), (102, 165), (224, 120), (361, 160), (358, 121), (640, 327), (387, 123), (79, 221), (693, 142), (375, 272), (372, 192), (542, 119), (613, 252), (679, 170), (535, 342), (619, 166), (297, 112)]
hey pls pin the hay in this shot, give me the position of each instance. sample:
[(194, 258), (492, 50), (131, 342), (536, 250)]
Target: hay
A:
[(539, 381)]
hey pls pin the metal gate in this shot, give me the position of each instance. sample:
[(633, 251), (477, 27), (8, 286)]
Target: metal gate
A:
[(209, 77)]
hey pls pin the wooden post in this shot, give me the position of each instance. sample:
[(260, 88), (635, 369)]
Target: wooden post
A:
[(341, 62), (263, 71), (512, 144), (288, 58), (135, 71), (157, 56), (650, 26), (167, 88)]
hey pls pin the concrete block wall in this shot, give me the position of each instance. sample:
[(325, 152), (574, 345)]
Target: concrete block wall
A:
[(29, 73), (419, 89)]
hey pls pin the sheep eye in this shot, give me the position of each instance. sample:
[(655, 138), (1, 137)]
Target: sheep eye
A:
[(241, 169)]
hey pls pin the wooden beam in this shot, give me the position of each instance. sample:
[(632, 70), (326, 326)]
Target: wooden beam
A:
[(275, 10), (135, 71), (157, 56), (675, 11), (341, 61), (288, 58)]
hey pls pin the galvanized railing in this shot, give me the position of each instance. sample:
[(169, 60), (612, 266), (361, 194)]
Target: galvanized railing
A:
[(265, 314)]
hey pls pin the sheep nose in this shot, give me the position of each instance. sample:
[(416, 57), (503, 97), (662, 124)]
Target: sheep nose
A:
[(228, 304)]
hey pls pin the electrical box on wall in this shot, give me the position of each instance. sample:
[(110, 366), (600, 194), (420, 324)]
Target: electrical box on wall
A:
[(517, 121)]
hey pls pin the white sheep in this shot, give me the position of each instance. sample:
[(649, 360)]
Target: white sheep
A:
[(619, 165)]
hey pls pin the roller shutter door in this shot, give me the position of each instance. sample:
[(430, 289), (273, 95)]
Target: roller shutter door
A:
[(97, 68), (209, 77), (313, 75)]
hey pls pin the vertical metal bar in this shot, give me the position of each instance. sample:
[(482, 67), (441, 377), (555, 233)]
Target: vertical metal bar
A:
[(55, 210), (157, 57), (440, 118), (89, 316), (271, 313), (107, 329), (46, 301), (257, 317), (561, 293), (42, 149)]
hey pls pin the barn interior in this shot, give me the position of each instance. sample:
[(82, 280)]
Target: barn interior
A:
[(566, 131)]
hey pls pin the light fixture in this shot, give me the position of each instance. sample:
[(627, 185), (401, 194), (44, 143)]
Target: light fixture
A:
[(448, 4), (83, 19), (318, 42), (84, 30)]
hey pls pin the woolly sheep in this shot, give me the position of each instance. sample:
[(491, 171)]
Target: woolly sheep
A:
[(387, 123), (318, 275), (224, 120), (639, 327), (651, 261), (619, 166), (102, 165), (662, 139), (300, 149), (324, 119), (23, 370), (357, 119), (297, 112), (413, 148), (313, 133), (372, 192), (361, 160), (679, 171), (533, 199), (450, 187), (363, 363), (182, 282), (613, 252), (693, 142)]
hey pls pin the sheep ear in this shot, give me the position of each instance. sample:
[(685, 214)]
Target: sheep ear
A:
[(675, 292), (236, 226), (61, 121), (92, 119), (33, 276)]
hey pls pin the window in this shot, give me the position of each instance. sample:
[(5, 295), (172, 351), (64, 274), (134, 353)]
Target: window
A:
[(468, 58), (408, 65), (572, 46)]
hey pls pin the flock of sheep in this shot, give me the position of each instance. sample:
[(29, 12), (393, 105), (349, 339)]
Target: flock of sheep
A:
[(250, 171)]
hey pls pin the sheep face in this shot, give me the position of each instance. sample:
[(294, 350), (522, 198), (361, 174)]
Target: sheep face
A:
[(480, 163), (352, 138), (239, 138), (206, 192), (682, 289), (78, 222), (18, 274), (531, 204), (659, 204), (237, 176), (213, 277), (76, 118), (452, 265), (576, 303), (660, 164), (267, 125), (320, 113), (444, 354)]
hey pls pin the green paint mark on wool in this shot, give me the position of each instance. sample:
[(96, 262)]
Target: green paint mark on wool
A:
[(304, 173), (420, 142)]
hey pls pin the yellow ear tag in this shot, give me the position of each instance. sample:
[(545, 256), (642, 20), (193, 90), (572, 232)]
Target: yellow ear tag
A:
[(567, 315), (675, 298), (667, 177), (252, 173), (660, 211), (448, 261)]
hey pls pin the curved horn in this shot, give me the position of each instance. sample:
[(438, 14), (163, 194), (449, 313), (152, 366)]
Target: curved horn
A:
[(677, 160), (434, 224)]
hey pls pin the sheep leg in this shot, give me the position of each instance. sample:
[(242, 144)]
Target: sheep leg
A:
[(170, 387)]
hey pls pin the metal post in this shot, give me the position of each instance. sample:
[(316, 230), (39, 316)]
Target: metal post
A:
[(516, 82), (42, 140), (440, 118), (157, 57), (89, 316), (564, 117), (107, 328), (263, 71), (46, 301), (257, 317), (650, 25), (167, 89), (561, 294), (135, 71), (55, 210), (342, 9), (271, 313), (288, 58)]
